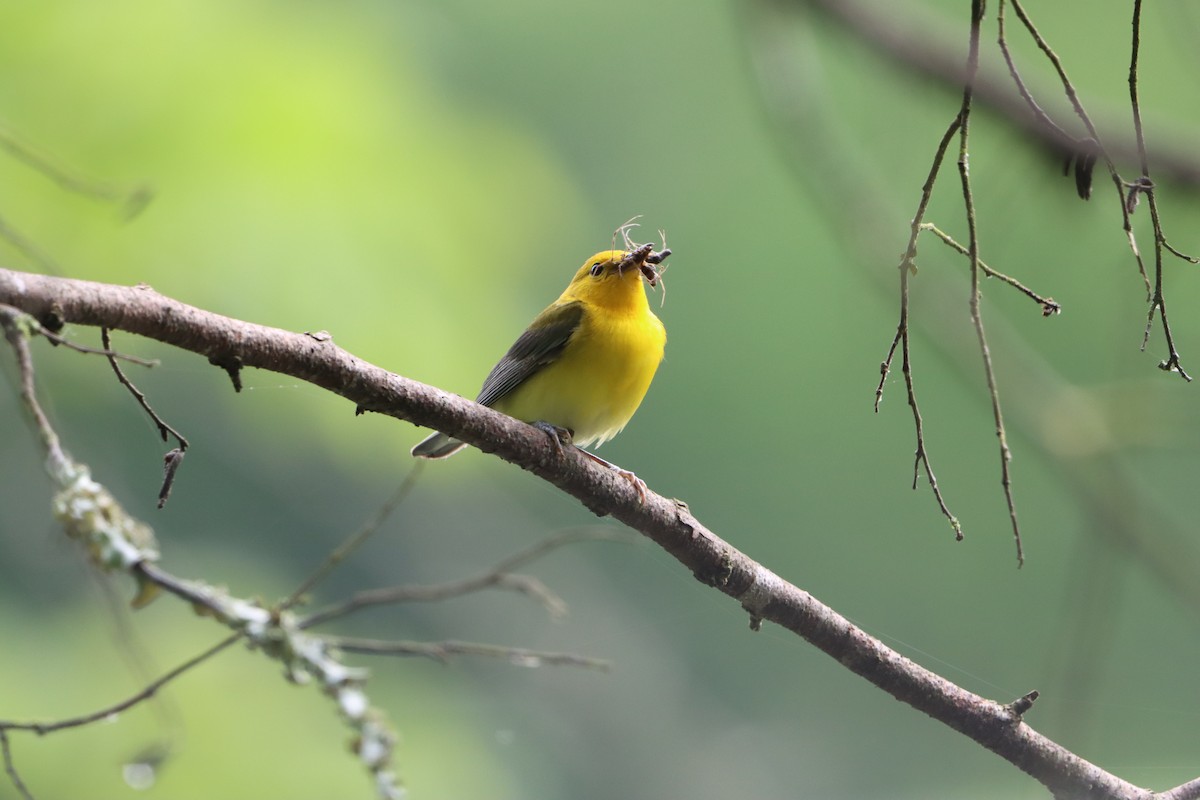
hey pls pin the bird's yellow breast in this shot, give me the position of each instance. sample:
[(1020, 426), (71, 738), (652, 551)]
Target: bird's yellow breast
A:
[(599, 380)]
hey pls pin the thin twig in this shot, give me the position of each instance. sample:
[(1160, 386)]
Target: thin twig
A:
[(1044, 46), (96, 351), (1146, 185), (12, 319), (500, 576), (204, 599), (356, 540), (27, 247), (973, 248), (11, 768), (132, 201), (1077, 105), (1126, 192), (1083, 152), (1022, 89), (163, 428), (1171, 249), (1134, 52), (907, 268), (1159, 301), (42, 330), (145, 693), (443, 651), (139, 661), (1128, 201), (1049, 306)]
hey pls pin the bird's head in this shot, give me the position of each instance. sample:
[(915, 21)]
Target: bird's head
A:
[(614, 277)]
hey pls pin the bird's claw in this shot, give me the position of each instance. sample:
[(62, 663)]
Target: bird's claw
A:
[(558, 435), (563, 436), (638, 484)]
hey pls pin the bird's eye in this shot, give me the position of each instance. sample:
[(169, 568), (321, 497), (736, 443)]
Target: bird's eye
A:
[(597, 269)]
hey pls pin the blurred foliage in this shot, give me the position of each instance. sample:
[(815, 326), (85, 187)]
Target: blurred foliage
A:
[(419, 179)]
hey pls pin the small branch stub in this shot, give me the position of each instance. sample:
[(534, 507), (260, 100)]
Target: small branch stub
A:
[(1022, 704), (233, 368)]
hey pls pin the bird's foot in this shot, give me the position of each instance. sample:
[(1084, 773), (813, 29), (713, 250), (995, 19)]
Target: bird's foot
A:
[(558, 434), (637, 483)]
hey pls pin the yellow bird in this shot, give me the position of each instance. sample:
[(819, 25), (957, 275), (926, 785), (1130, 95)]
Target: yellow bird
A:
[(584, 364)]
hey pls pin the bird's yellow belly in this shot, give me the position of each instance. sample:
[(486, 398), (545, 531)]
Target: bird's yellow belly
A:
[(597, 383)]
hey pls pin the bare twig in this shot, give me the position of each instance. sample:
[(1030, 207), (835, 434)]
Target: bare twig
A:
[(929, 58), (1093, 133), (1135, 106), (145, 693), (500, 577), (132, 201), (17, 326), (1158, 301), (27, 247), (10, 767), (973, 248), (174, 458), (1127, 193), (96, 351), (1056, 62), (88, 512), (907, 268), (1146, 186), (1039, 114), (444, 651), (357, 539), (36, 327), (163, 428), (1048, 304)]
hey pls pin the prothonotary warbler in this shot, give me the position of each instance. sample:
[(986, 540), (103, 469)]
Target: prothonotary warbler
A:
[(583, 365)]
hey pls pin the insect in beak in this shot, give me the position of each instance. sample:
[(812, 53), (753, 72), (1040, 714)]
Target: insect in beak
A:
[(650, 265), (646, 260)]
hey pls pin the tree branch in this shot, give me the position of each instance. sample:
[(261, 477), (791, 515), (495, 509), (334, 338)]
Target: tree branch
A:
[(908, 268), (669, 523), (500, 576), (444, 651), (989, 371), (908, 39), (145, 693), (11, 769)]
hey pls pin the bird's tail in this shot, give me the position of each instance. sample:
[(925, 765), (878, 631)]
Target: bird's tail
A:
[(439, 445)]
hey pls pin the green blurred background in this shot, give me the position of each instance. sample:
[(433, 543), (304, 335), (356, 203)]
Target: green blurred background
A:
[(421, 178)]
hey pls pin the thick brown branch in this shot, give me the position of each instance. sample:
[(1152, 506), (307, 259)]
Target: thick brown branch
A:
[(669, 523)]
